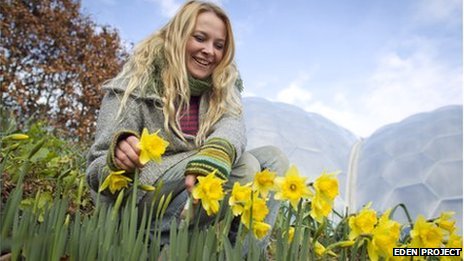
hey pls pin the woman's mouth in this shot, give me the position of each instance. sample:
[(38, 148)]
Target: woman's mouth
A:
[(202, 62)]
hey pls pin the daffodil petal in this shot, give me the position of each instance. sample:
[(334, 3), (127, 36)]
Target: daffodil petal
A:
[(144, 158), (105, 184)]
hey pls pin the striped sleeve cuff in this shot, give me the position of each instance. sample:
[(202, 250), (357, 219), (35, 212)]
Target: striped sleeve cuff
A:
[(217, 154)]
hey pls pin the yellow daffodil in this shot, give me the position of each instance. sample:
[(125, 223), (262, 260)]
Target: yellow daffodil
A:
[(320, 250), (291, 234), (292, 187), (362, 223), (240, 196), (260, 229), (209, 190), (115, 181), (454, 241), (255, 210), (264, 182), (445, 222), (327, 185), (426, 234), (384, 238), (151, 146), (320, 208)]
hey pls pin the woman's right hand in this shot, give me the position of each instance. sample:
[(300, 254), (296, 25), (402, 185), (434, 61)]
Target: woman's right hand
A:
[(127, 154)]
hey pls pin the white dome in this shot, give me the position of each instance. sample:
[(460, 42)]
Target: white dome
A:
[(311, 142), (417, 161)]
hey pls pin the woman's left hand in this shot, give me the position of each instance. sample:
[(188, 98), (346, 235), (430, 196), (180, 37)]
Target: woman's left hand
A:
[(190, 181)]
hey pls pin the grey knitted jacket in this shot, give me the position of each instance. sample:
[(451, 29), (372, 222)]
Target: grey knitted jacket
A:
[(145, 111)]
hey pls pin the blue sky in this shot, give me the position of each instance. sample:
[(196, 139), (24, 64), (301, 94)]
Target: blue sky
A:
[(360, 63)]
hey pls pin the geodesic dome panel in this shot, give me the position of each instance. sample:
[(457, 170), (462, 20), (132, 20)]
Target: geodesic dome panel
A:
[(310, 141), (417, 161)]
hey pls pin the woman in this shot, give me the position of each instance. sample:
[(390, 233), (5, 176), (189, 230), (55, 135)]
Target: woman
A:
[(183, 81)]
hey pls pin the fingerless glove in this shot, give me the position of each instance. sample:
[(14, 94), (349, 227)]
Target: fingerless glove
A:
[(216, 154), (110, 158)]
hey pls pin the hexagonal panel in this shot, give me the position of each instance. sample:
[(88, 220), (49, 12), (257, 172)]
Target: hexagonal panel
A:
[(407, 169), (442, 180), (370, 189), (373, 161), (418, 198), (445, 147)]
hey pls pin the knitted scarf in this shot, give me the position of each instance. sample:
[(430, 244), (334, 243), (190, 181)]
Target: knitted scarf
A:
[(198, 87)]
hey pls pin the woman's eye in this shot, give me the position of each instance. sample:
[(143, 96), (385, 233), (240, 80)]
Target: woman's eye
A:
[(219, 46), (199, 38)]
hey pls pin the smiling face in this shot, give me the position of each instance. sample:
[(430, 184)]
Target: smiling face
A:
[(206, 46)]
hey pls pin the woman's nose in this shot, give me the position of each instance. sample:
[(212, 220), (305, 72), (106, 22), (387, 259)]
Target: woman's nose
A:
[(207, 48)]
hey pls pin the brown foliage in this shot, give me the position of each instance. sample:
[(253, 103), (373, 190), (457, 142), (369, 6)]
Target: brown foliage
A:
[(53, 61)]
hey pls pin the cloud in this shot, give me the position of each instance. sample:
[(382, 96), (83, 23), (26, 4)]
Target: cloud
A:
[(257, 88), (295, 93), (340, 112), (403, 86), (408, 79), (338, 109), (247, 93)]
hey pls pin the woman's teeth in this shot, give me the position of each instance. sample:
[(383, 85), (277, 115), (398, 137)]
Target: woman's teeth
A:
[(202, 62)]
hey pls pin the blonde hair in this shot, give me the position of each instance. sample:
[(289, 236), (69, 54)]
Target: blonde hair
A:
[(169, 44)]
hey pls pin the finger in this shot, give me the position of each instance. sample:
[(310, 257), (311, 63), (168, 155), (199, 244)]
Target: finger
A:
[(130, 153), (134, 143), (123, 166), (188, 186), (119, 164), (124, 160), (190, 181), (126, 147)]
